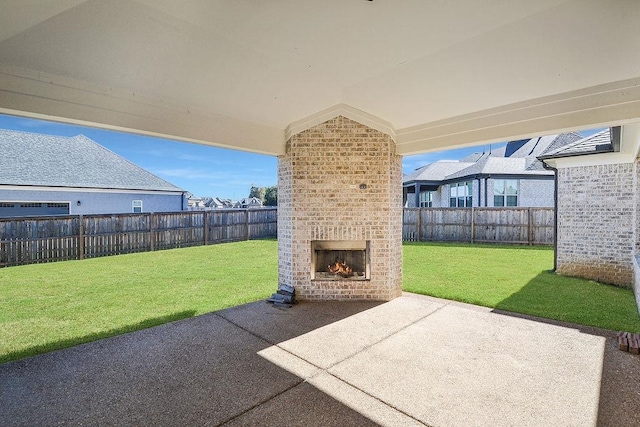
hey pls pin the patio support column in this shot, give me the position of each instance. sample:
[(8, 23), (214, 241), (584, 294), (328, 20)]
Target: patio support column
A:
[(340, 181)]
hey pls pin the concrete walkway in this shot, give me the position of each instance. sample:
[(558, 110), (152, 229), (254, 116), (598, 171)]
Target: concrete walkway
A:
[(414, 361)]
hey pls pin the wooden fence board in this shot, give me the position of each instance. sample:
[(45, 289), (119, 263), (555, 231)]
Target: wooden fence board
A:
[(46, 239), (533, 226)]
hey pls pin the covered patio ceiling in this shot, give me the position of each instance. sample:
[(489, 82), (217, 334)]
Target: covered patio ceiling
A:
[(246, 74)]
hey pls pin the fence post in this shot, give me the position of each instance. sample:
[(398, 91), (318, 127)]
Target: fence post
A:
[(419, 225), (152, 234), (80, 237), (246, 224), (205, 229), (432, 225), (530, 228), (473, 224)]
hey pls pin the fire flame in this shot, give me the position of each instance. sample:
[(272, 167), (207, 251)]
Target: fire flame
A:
[(340, 268)]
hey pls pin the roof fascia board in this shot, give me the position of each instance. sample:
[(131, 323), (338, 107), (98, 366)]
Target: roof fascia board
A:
[(340, 110), (610, 104), (588, 153), (87, 190), (420, 182), (44, 96), (629, 150)]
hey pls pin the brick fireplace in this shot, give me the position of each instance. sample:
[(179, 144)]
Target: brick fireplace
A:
[(340, 201)]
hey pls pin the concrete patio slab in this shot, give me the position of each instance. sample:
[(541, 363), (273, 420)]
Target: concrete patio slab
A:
[(326, 346), (465, 367), (193, 371), (420, 361), (278, 325), (452, 364), (303, 405), (363, 402)]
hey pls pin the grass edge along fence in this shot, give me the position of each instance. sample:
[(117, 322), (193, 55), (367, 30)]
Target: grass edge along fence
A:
[(58, 238), (513, 225)]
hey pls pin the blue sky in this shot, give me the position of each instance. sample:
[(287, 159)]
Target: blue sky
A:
[(199, 169)]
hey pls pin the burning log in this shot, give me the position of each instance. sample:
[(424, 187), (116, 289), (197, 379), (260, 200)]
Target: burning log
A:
[(340, 268)]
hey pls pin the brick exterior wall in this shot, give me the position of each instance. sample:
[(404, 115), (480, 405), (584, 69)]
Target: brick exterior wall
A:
[(597, 222), (319, 199)]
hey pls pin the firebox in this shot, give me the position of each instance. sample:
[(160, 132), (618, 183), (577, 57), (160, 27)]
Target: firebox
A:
[(340, 260)]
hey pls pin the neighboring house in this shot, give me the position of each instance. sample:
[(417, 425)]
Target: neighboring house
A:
[(194, 203), (210, 203), (56, 175), (509, 176), (218, 203), (249, 203)]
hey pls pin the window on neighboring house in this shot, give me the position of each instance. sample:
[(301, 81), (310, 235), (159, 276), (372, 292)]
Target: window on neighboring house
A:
[(426, 199), (461, 195), (505, 192), (58, 205), (137, 206)]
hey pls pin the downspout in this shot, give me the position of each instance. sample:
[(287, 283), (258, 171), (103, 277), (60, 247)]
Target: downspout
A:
[(479, 191), (486, 189), (555, 214)]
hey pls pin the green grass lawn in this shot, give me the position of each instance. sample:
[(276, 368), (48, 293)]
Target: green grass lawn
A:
[(50, 306), (515, 278)]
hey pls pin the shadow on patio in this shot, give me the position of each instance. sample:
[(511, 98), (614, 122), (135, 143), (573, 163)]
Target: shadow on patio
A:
[(204, 370), (619, 397)]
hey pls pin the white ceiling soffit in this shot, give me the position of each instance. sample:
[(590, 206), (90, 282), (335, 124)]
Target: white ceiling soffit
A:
[(238, 73)]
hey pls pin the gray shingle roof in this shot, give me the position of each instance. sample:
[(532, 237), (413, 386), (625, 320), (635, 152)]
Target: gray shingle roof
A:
[(516, 158), (498, 166), (597, 143), (57, 161), (560, 141), (436, 171)]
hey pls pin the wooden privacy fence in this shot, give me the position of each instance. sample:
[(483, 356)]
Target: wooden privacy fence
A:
[(529, 226), (58, 238)]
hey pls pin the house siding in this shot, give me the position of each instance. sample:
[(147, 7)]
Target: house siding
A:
[(535, 193), (532, 193), (597, 222), (98, 202), (441, 197), (480, 191)]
